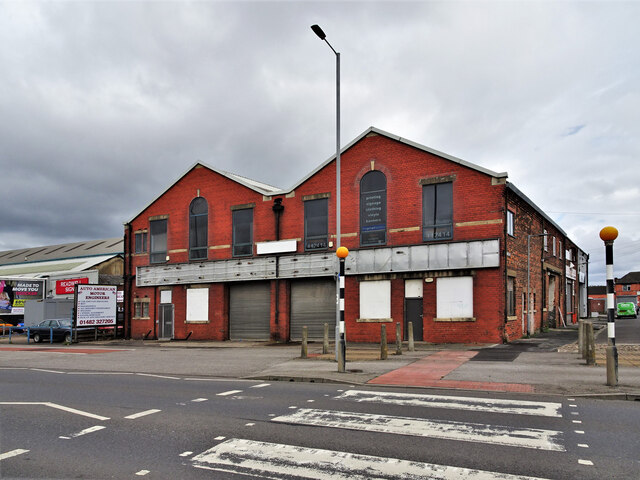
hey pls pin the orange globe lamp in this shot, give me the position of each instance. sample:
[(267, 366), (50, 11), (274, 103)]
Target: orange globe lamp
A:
[(609, 234), (342, 252)]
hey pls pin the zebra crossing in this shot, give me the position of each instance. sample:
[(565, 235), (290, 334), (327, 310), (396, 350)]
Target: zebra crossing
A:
[(277, 460)]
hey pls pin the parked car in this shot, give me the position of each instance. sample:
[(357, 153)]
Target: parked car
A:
[(59, 329), (626, 309)]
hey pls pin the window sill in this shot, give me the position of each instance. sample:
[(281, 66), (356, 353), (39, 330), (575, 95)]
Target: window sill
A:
[(374, 320), (512, 318), (462, 319), (196, 321), (141, 318)]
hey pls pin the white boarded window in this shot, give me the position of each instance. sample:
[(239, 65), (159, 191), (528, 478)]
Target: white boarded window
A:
[(197, 304), (375, 299), (455, 297)]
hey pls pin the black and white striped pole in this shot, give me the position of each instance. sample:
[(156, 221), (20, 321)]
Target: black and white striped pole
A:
[(608, 235), (342, 253)]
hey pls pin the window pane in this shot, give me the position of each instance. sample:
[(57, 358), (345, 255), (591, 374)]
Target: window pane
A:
[(316, 223), (158, 230), (373, 209), (437, 211), (454, 297), (375, 299), (243, 232), (198, 233)]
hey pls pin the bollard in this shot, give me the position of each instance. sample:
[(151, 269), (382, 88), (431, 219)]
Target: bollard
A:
[(581, 339), (303, 353), (383, 342), (398, 340), (325, 343), (590, 345), (412, 347)]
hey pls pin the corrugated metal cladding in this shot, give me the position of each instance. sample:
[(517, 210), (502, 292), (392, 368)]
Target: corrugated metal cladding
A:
[(249, 311), (313, 303)]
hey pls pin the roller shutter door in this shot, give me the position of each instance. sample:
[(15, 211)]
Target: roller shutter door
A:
[(313, 303), (249, 311)]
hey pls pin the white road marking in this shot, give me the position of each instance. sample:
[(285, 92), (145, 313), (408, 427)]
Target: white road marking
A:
[(576, 421), (573, 406), (262, 385), (581, 432), (83, 432), (100, 373), (220, 438), (157, 376), (13, 453), (583, 445), (585, 462), (277, 461), (470, 432), (45, 370), (185, 454), (142, 414), (496, 405), (142, 473), (230, 392), (59, 407), (249, 424), (199, 400)]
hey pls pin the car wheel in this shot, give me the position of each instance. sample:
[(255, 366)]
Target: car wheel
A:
[(37, 338), (67, 337)]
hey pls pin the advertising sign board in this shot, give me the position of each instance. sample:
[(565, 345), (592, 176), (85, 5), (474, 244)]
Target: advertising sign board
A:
[(14, 292), (66, 286), (95, 305)]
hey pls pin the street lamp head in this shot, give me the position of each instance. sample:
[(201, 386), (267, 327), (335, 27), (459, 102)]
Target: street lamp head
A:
[(342, 252), (609, 234), (318, 31)]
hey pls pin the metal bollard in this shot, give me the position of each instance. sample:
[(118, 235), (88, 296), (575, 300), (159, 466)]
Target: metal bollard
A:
[(412, 347), (398, 339), (383, 342), (591, 345), (304, 352), (325, 343)]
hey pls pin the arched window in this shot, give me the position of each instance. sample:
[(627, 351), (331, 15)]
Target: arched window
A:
[(198, 221), (373, 209)]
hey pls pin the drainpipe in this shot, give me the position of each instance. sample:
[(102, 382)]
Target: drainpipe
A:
[(277, 208)]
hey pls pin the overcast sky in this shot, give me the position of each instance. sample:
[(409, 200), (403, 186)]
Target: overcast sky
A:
[(103, 105)]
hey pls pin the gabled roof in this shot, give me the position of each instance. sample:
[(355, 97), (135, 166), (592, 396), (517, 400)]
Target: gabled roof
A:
[(77, 250), (270, 190), (631, 277), (410, 143)]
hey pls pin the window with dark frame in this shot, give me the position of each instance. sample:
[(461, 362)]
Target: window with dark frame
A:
[(437, 211), (511, 223), (373, 208), (158, 235), (141, 242), (242, 232), (511, 296), (198, 229), (141, 308), (316, 224)]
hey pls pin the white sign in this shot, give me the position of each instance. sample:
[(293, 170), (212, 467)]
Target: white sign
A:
[(96, 305)]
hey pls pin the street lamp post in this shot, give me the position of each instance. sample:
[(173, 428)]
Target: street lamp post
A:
[(529, 312), (320, 33), (608, 235)]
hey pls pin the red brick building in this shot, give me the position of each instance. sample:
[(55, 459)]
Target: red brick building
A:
[(434, 240), (627, 288)]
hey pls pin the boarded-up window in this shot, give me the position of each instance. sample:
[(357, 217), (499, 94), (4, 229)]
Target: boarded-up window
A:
[(375, 299), (197, 304), (455, 297)]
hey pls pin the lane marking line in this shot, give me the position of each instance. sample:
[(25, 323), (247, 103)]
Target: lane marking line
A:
[(262, 385), (230, 392), (142, 473), (185, 454), (583, 445), (83, 432), (13, 453), (275, 461), (59, 407), (142, 414), (45, 370), (585, 462), (199, 400), (158, 376)]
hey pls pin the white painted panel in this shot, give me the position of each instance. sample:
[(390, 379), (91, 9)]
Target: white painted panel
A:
[(197, 304), (413, 288), (165, 296), (455, 297), (375, 299), (280, 246)]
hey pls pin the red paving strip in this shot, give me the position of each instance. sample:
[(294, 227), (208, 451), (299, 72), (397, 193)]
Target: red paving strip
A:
[(58, 350), (430, 371)]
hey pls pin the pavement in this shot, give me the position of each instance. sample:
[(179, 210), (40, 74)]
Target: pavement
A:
[(548, 363)]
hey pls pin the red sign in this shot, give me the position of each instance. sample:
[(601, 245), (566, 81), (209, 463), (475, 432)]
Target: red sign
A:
[(65, 287)]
